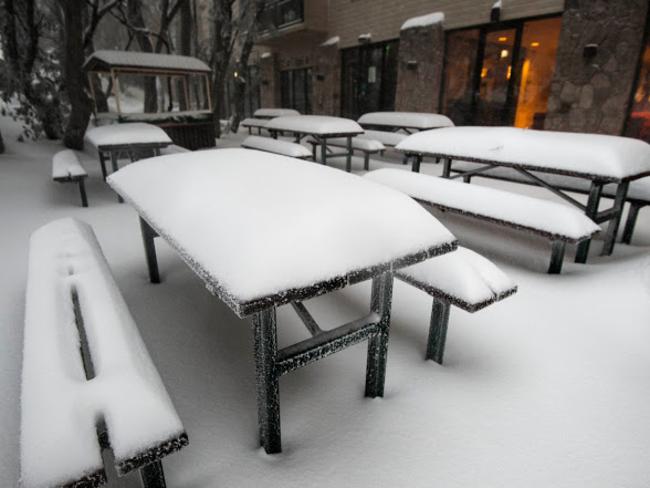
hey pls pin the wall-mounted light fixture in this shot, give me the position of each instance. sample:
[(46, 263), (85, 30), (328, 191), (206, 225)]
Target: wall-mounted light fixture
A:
[(412, 64), (320, 77), (495, 12), (589, 51)]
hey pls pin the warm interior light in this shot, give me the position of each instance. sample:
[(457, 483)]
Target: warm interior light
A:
[(534, 44), (503, 39), (483, 72), (509, 72), (504, 53)]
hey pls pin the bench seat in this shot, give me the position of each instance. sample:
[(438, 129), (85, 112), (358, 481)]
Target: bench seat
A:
[(253, 123), (364, 145), (67, 168), (88, 382), (461, 278), (275, 146), (556, 222), (388, 139)]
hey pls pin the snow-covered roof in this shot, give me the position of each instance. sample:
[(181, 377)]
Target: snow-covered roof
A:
[(315, 124), (412, 120), (244, 221), (105, 59), (125, 134), (274, 112), (424, 20), (610, 157)]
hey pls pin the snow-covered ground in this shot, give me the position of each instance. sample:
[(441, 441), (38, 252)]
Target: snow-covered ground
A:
[(549, 388)]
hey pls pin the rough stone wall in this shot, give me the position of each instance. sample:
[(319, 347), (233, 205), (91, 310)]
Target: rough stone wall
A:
[(269, 81), (326, 83), (591, 94), (418, 85)]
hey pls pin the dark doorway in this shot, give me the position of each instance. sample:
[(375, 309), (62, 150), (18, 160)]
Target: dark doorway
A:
[(296, 89)]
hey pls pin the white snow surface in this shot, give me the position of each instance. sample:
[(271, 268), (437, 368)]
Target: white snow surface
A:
[(365, 144), (331, 41), (424, 20), (511, 207), (149, 60), (65, 164), (129, 133), (588, 154), (463, 274), (387, 138), (246, 218), (274, 112), (59, 406), (253, 122), (268, 144), (315, 124), (173, 149), (414, 120)]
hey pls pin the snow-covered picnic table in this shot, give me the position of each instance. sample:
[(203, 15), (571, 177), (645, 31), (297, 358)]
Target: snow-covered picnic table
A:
[(600, 159), (133, 139), (405, 121), (320, 128), (271, 113), (244, 221)]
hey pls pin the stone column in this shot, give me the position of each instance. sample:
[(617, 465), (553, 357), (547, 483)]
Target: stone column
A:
[(420, 65), (269, 81), (597, 56), (326, 83)]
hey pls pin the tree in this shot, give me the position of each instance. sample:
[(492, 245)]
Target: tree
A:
[(2, 144)]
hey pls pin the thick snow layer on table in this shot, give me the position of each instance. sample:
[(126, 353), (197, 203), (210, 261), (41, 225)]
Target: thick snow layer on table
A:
[(364, 144), (148, 60), (267, 144), (639, 189), (253, 122), (387, 138), (550, 217), (463, 275), (65, 164), (129, 133), (414, 120), (611, 157), (424, 20), (315, 124), (247, 218), (274, 112), (60, 408)]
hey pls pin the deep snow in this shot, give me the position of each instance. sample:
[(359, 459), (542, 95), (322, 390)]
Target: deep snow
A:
[(547, 388)]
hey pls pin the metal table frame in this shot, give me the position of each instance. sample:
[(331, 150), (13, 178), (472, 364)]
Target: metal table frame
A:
[(112, 152), (270, 362), (612, 214)]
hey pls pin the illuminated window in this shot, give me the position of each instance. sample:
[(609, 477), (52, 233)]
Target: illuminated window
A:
[(638, 122)]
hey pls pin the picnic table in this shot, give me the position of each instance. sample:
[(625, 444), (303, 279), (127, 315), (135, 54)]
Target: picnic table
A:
[(599, 159), (271, 113), (135, 139), (408, 122), (319, 128), (263, 230)]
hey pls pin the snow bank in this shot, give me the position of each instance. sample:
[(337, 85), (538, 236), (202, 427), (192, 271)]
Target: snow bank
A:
[(65, 164), (246, 219), (129, 133), (551, 217), (412, 120), (424, 20), (267, 144), (315, 124), (274, 112), (60, 408), (463, 277), (610, 157)]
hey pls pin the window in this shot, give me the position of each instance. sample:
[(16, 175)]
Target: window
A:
[(638, 122), (282, 13), (296, 89)]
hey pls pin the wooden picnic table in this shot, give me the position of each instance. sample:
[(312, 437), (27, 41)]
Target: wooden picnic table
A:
[(599, 159), (263, 230), (320, 128), (407, 122)]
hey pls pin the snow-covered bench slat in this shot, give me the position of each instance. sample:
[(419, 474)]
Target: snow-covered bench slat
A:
[(558, 223), (87, 380), (253, 123), (462, 278), (406, 121), (364, 145), (275, 146), (638, 195), (66, 168), (270, 113)]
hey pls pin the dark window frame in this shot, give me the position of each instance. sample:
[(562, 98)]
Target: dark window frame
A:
[(307, 89)]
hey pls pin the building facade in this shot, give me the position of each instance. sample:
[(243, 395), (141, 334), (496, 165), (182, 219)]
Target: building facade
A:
[(576, 65)]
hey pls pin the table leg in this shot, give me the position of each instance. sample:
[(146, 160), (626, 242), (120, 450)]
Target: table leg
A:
[(417, 160), (102, 164), (582, 251), (148, 235), (323, 150), (612, 229), (380, 303), (631, 222), (153, 475), (446, 167), (438, 330), (348, 156), (267, 380)]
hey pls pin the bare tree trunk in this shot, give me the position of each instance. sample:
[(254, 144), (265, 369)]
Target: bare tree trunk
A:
[(221, 54), (74, 76), (2, 144), (136, 19), (185, 48)]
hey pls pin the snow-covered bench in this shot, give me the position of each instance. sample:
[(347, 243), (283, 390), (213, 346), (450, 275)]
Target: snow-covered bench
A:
[(253, 123), (558, 223), (173, 149), (66, 168), (638, 195), (88, 383), (388, 139), (363, 145), (275, 146), (462, 278)]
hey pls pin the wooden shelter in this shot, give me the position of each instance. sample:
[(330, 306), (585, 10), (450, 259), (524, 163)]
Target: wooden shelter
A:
[(182, 91)]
